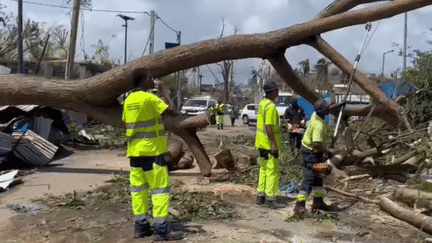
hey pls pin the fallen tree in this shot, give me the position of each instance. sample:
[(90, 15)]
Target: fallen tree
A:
[(417, 219), (97, 96)]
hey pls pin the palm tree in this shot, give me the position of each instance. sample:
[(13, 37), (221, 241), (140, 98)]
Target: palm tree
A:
[(304, 66), (322, 71)]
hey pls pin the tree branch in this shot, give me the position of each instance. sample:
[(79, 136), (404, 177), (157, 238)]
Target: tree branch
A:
[(285, 71), (340, 6), (341, 62)]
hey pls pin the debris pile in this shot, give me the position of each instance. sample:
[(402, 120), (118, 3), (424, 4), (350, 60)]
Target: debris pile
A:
[(28, 134)]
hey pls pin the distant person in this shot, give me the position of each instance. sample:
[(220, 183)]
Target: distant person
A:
[(268, 141), (146, 147), (294, 116), (234, 115), (212, 112), (220, 112)]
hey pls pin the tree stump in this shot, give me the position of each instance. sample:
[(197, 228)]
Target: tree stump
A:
[(225, 159)]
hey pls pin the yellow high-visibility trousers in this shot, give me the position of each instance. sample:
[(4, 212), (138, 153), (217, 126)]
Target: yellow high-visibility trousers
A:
[(156, 182), (268, 182), (220, 119)]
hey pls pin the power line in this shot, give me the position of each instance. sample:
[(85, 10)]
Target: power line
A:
[(148, 40), (87, 9), (166, 24)]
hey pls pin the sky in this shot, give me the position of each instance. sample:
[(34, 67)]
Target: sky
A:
[(202, 19)]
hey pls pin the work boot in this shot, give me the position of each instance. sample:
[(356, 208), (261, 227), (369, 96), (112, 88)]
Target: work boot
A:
[(218, 126), (221, 126), (273, 204), (300, 208), (142, 229), (260, 200), (319, 204)]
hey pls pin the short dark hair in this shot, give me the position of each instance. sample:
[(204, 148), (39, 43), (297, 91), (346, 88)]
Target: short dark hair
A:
[(138, 76)]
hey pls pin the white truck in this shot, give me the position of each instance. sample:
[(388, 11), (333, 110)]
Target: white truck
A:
[(198, 105)]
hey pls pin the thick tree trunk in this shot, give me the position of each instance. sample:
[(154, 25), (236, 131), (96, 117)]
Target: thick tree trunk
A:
[(101, 91), (97, 96)]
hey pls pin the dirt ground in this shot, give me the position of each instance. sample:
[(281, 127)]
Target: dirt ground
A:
[(85, 171)]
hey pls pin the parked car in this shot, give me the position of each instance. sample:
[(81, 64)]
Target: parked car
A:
[(248, 114), (198, 105)]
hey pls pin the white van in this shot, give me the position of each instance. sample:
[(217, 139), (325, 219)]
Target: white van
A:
[(283, 101), (198, 105)]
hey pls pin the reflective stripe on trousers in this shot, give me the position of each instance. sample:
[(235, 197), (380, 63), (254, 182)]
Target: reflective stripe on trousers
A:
[(316, 192), (219, 119), (157, 181), (268, 182)]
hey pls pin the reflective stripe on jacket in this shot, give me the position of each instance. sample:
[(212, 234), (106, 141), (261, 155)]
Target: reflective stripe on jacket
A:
[(144, 128)]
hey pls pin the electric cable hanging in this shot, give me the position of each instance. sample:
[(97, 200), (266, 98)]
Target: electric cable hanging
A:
[(157, 17), (82, 44), (87, 9), (148, 40), (152, 32)]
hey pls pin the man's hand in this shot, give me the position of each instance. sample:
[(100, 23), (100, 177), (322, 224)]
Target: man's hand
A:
[(274, 151)]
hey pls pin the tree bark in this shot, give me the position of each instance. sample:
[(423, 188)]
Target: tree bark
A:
[(101, 91), (411, 196), (97, 96), (418, 220)]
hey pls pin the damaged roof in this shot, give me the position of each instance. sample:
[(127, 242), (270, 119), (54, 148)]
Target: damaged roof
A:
[(26, 108)]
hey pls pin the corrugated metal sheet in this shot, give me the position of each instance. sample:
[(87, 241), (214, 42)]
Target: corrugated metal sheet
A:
[(26, 108)]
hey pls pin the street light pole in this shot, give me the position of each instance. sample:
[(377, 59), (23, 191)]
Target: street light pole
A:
[(126, 18), (382, 74)]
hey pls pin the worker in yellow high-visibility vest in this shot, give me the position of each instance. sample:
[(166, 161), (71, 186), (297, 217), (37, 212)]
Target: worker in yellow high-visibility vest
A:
[(268, 141), (220, 112), (315, 143), (147, 144)]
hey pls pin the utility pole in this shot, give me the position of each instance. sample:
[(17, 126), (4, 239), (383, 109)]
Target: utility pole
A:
[(200, 82), (404, 54), (20, 37), (405, 45), (382, 73), (152, 31), (74, 29), (126, 18), (178, 76)]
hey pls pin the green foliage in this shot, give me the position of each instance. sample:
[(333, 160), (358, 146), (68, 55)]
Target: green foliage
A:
[(417, 107), (119, 179), (290, 169), (116, 193), (101, 54), (193, 206), (327, 218), (71, 200)]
